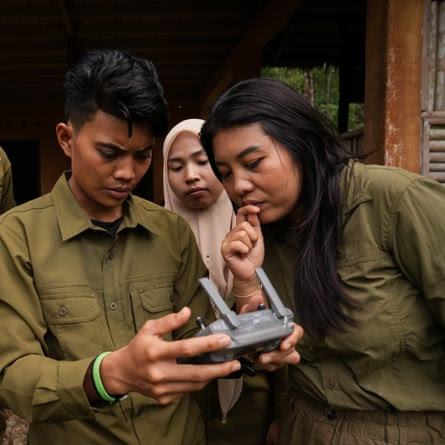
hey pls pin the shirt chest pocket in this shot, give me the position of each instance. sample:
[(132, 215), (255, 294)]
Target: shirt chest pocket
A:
[(152, 301), (76, 325), (70, 310)]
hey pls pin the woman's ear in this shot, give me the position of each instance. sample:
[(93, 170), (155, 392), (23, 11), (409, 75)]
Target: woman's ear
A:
[(64, 133)]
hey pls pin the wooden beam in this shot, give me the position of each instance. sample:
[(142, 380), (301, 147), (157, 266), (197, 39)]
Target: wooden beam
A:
[(245, 58)]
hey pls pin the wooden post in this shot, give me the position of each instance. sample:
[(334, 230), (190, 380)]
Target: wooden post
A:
[(393, 82)]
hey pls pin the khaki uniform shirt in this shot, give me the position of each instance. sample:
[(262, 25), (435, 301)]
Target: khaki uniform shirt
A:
[(6, 190), (392, 261), (69, 291)]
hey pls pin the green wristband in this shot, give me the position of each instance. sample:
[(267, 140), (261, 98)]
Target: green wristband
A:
[(97, 380)]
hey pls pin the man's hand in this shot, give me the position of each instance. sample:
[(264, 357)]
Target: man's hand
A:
[(147, 365)]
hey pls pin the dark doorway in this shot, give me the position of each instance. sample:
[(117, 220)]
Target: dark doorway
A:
[(25, 161)]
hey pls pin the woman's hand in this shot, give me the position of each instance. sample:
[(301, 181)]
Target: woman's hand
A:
[(285, 354), (243, 250), (243, 247)]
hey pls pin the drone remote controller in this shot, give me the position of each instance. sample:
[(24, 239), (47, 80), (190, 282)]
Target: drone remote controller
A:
[(252, 332)]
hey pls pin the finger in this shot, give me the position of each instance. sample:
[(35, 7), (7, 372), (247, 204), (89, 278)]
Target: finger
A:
[(166, 400), (204, 373), (274, 360), (244, 234), (171, 393), (243, 229), (176, 378), (191, 347), (244, 309), (278, 357), (166, 324), (243, 213), (182, 378), (292, 339), (252, 304), (285, 354), (193, 378), (239, 246), (254, 220), (250, 213)]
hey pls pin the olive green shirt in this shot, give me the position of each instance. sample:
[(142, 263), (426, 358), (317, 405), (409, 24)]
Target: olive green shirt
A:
[(68, 291), (392, 261), (6, 189)]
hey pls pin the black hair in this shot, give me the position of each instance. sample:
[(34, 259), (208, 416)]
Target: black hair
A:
[(288, 118), (118, 84)]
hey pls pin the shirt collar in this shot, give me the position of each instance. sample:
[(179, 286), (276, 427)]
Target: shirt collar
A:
[(72, 218)]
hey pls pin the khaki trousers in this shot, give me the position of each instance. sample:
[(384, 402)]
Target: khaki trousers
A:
[(305, 422)]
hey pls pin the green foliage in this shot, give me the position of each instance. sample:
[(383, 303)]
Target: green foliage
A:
[(320, 85), (356, 117), (293, 76)]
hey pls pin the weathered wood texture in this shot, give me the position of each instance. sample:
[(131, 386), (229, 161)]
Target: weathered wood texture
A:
[(393, 82), (433, 92)]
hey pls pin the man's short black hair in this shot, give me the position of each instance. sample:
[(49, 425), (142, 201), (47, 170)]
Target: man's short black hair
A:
[(118, 84)]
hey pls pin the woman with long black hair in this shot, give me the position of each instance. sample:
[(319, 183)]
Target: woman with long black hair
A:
[(356, 250)]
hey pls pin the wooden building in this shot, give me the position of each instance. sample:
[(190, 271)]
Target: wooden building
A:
[(390, 55)]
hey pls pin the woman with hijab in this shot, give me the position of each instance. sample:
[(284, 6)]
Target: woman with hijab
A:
[(192, 190)]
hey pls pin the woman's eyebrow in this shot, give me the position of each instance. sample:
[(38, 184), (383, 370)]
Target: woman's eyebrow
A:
[(241, 154), (247, 151), (177, 159), (195, 154), (198, 152)]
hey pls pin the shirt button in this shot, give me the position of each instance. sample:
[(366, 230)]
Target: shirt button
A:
[(63, 310), (139, 411), (111, 255), (113, 305)]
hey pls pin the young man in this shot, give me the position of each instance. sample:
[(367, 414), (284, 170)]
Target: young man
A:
[(90, 269), (6, 190)]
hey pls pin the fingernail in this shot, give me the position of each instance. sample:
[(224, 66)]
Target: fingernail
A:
[(224, 340), (265, 360), (236, 366)]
